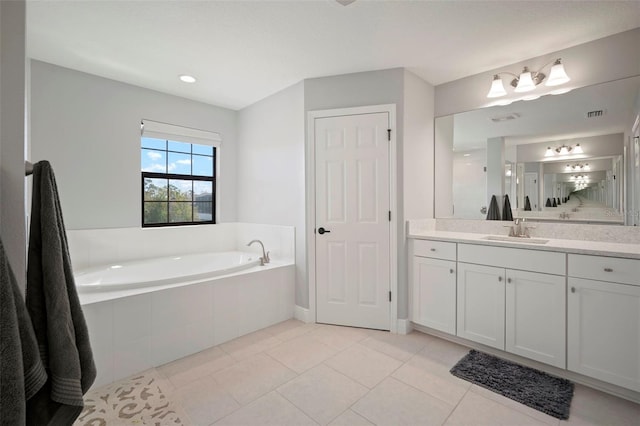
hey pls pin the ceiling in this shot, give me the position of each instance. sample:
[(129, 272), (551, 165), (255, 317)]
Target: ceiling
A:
[(243, 51)]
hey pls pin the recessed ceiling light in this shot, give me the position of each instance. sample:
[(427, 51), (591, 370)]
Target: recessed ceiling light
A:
[(187, 78)]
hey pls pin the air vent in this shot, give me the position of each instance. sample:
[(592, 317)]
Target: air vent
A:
[(595, 113), (507, 117)]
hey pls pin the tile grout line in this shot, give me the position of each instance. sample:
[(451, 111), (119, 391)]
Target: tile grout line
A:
[(456, 406)]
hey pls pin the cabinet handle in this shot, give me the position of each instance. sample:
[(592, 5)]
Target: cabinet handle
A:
[(608, 269), (451, 271), (573, 289), (432, 249), (500, 279), (509, 280)]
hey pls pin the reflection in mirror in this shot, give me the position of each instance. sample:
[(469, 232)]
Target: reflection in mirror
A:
[(569, 157)]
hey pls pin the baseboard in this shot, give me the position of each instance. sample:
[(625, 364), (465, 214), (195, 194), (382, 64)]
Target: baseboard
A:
[(301, 314), (404, 326)]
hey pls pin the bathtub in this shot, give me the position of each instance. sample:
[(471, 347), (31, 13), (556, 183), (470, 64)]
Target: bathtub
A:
[(203, 301), (163, 271)]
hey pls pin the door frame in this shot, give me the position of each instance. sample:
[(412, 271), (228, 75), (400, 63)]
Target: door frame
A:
[(310, 207)]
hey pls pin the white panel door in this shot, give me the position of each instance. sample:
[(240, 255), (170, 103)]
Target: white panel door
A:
[(434, 293), (352, 220), (603, 331), (535, 316), (481, 304)]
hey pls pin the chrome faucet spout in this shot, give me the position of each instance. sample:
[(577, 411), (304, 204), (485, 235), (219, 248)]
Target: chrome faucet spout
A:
[(265, 255)]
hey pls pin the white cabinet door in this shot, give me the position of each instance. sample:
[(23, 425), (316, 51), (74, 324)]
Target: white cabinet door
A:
[(535, 316), (604, 331), (481, 304), (434, 293)]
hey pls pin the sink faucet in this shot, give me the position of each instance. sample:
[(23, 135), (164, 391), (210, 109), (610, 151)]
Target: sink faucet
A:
[(265, 255), (519, 229)]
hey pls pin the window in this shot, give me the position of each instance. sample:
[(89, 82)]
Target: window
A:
[(178, 181)]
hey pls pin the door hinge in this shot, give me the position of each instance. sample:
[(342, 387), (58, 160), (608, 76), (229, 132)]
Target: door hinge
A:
[(389, 296), (389, 134), (389, 215)]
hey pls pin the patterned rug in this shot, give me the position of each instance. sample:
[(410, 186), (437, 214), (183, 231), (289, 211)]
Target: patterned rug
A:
[(536, 389), (136, 400)]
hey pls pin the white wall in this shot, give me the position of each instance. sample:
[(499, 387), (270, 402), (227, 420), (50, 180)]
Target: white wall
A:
[(270, 169), (418, 147), (417, 169), (414, 139), (443, 169), (606, 59), (363, 89), (88, 127), (12, 135), (469, 188)]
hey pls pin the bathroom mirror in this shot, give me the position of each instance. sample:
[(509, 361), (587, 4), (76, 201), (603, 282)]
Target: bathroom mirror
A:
[(517, 150)]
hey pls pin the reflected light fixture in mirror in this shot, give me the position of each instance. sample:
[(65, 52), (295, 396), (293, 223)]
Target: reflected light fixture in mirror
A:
[(577, 167), (563, 150), (528, 80)]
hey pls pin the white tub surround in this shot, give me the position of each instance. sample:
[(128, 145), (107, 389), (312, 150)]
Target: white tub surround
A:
[(133, 329), (566, 306), (97, 247)]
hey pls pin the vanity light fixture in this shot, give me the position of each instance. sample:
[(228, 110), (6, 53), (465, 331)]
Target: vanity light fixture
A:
[(563, 150), (577, 167), (187, 78), (528, 80)]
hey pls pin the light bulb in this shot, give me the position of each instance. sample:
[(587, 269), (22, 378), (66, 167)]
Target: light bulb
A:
[(497, 88), (525, 82), (557, 76), (578, 149), (549, 152)]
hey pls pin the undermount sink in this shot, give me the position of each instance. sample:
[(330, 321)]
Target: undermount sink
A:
[(516, 239)]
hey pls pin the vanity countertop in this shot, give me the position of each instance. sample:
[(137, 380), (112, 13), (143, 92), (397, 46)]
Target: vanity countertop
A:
[(596, 248)]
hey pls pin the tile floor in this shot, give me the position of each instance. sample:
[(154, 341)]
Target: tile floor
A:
[(311, 374)]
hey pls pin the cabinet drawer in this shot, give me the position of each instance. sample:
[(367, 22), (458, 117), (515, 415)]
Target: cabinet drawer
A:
[(547, 262), (612, 269), (435, 249)]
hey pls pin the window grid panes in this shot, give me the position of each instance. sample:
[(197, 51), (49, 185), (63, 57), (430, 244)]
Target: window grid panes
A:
[(178, 183)]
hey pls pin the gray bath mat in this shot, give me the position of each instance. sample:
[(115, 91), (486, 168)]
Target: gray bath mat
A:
[(533, 388)]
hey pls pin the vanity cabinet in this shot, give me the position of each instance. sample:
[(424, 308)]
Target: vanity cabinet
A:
[(604, 319), (434, 293), (522, 312), (434, 285), (572, 311), (481, 304)]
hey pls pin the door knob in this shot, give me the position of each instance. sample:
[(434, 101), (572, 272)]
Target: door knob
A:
[(321, 230)]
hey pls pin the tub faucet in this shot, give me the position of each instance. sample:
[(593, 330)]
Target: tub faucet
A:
[(265, 255)]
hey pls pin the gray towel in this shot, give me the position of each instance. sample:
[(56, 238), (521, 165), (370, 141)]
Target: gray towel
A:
[(506, 209), (494, 210), (55, 310), (21, 371)]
